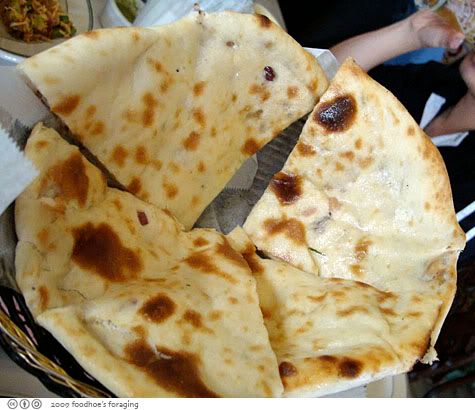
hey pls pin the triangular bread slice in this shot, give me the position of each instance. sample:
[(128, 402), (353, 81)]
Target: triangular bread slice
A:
[(332, 334), (364, 196), (143, 306), (173, 111)]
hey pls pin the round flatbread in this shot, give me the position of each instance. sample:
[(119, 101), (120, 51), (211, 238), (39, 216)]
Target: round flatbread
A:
[(146, 308), (173, 111), (365, 196), (332, 334)]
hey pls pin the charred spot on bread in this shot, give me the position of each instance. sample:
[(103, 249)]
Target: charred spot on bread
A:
[(175, 371), (286, 187), (338, 114), (99, 249), (158, 308)]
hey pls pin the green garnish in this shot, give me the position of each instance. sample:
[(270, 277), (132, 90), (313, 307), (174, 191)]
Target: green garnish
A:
[(56, 33), (128, 8), (314, 250)]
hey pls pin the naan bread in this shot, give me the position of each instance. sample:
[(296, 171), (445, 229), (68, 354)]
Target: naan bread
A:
[(364, 196), (173, 111), (332, 334), (145, 307)]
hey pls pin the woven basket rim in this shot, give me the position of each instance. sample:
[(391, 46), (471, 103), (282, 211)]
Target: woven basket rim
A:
[(22, 345)]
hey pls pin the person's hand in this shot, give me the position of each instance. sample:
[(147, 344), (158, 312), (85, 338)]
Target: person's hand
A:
[(431, 30), (420, 30)]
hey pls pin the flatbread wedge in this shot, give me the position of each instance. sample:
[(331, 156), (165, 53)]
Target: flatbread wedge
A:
[(364, 196), (332, 334), (146, 308), (173, 111)]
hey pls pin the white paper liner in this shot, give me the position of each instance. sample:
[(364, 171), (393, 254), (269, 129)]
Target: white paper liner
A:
[(18, 108), (17, 99), (16, 172)]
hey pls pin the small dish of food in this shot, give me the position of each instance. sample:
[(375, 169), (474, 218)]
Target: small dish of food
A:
[(120, 12), (28, 27)]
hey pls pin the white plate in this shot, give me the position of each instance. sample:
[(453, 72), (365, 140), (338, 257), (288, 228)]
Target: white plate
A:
[(13, 50)]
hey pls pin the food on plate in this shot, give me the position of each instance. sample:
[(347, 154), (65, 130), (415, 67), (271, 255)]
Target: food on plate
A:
[(36, 20), (364, 196), (332, 334), (146, 308), (173, 111)]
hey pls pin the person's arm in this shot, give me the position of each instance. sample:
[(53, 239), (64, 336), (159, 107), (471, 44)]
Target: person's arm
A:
[(422, 29), (461, 116), (458, 118)]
